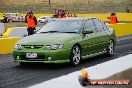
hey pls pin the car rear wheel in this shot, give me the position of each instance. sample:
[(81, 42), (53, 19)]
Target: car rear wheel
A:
[(75, 55), (110, 48)]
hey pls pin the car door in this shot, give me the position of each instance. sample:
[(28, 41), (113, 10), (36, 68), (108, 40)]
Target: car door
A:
[(101, 34), (88, 42)]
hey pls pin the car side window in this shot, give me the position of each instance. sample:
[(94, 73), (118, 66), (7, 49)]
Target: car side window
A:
[(104, 26), (98, 25), (89, 25)]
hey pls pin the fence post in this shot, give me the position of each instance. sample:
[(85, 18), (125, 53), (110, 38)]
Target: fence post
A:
[(49, 2)]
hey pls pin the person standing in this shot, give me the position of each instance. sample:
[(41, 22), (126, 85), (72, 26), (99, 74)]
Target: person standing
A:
[(5, 20), (31, 23), (127, 10), (113, 18)]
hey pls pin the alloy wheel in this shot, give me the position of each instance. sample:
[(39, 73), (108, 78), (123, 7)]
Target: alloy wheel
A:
[(111, 48), (75, 55)]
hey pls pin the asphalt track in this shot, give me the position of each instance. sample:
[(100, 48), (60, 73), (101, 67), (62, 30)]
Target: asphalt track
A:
[(14, 76)]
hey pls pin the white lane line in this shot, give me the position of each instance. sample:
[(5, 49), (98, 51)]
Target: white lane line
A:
[(100, 71)]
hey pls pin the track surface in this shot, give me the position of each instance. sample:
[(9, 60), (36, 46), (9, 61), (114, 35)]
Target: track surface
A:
[(14, 76)]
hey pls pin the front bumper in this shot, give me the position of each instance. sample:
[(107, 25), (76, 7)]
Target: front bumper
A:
[(57, 56)]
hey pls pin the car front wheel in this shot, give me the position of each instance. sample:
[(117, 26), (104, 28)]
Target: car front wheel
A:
[(75, 55)]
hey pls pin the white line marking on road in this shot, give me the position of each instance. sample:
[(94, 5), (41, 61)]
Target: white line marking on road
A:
[(100, 71)]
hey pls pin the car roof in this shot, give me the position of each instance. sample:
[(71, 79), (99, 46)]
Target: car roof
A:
[(73, 18)]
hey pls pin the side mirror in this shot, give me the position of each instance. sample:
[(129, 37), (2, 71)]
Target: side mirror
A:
[(87, 32)]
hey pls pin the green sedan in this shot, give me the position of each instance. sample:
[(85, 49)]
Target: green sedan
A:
[(66, 40)]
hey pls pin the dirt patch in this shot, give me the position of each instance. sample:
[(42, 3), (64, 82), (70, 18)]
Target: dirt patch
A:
[(78, 6), (123, 75)]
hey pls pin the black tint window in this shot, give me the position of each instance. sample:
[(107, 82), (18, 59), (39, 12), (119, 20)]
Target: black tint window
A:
[(89, 25)]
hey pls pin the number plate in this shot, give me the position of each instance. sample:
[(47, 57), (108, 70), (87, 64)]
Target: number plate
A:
[(31, 55)]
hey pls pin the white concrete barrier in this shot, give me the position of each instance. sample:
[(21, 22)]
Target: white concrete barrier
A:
[(20, 32), (2, 28)]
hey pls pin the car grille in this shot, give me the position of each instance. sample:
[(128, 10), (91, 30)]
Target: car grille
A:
[(32, 46)]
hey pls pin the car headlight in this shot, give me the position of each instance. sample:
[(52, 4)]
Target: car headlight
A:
[(18, 47), (54, 47)]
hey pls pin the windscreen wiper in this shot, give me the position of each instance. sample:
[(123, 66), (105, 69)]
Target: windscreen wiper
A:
[(69, 32), (49, 32)]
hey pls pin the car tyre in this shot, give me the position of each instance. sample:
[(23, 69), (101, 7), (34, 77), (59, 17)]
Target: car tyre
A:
[(110, 48), (75, 56)]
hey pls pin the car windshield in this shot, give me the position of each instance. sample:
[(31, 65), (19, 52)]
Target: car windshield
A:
[(63, 26)]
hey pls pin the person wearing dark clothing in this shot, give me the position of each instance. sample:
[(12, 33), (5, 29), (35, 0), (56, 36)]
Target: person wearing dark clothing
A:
[(26, 18), (31, 23), (5, 20), (127, 10)]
